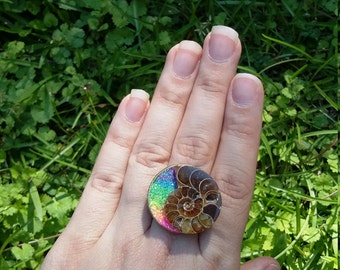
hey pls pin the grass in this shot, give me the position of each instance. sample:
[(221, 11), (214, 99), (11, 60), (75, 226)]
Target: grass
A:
[(65, 65)]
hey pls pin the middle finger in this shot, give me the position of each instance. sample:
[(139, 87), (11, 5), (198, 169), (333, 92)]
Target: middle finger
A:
[(198, 136), (153, 146)]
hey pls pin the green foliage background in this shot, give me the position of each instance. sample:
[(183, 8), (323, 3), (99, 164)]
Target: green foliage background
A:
[(65, 65)]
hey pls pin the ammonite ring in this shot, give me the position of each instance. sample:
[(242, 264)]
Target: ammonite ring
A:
[(184, 199)]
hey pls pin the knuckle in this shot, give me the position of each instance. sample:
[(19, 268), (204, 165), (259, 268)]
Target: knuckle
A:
[(212, 85), (121, 141), (241, 131), (235, 186), (107, 183), (150, 154), (194, 150), (173, 98), (122, 134), (243, 123)]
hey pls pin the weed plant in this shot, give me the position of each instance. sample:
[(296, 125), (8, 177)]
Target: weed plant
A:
[(65, 65)]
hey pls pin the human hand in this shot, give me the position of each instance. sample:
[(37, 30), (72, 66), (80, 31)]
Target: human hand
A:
[(201, 114)]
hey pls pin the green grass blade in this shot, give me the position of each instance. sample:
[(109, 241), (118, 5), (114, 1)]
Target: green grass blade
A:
[(34, 194), (326, 97), (269, 151), (319, 133), (309, 57)]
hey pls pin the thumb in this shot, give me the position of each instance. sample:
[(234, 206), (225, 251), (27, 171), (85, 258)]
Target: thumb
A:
[(261, 263)]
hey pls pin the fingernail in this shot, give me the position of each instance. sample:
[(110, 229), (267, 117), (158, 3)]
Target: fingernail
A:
[(222, 43), (186, 58), (272, 267), (244, 89), (136, 105)]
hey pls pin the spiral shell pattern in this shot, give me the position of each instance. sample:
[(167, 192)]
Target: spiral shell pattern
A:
[(184, 199)]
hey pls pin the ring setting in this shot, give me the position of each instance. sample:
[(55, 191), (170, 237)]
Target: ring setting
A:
[(184, 199)]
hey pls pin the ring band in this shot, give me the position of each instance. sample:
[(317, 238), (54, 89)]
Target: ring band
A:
[(184, 199)]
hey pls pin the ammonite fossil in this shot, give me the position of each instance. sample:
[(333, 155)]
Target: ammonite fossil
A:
[(184, 199)]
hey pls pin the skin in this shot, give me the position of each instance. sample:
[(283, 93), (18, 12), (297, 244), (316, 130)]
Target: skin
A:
[(202, 113)]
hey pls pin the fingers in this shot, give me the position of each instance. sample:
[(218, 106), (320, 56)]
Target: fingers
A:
[(189, 108), (102, 193), (235, 164), (185, 118), (198, 137)]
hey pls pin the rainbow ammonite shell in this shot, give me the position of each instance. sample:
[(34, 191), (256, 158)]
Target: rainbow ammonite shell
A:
[(184, 199)]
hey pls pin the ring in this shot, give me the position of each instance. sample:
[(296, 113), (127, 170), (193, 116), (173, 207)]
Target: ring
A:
[(184, 199)]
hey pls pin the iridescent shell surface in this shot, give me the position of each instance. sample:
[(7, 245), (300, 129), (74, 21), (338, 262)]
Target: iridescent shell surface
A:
[(184, 199)]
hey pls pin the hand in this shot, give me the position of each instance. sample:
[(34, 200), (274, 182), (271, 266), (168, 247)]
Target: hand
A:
[(202, 114)]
